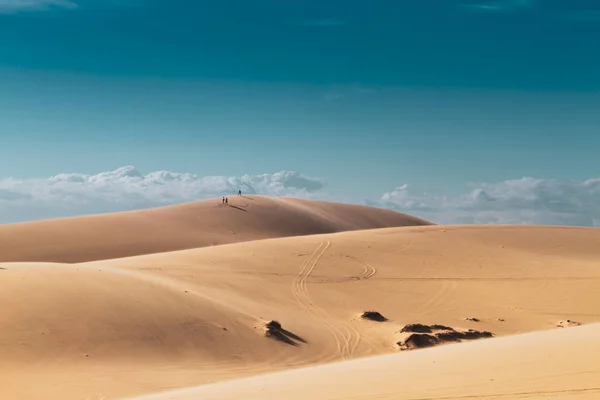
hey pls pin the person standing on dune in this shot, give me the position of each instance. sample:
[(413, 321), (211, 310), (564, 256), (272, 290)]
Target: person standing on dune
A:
[(223, 200), (239, 192)]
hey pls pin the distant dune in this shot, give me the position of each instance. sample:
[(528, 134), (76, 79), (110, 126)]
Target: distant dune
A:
[(186, 226), (150, 324)]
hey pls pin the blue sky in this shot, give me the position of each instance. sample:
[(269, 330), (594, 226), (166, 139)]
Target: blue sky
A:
[(365, 96)]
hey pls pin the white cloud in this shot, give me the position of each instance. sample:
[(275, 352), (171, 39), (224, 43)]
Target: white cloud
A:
[(127, 189), (10, 6), (520, 201)]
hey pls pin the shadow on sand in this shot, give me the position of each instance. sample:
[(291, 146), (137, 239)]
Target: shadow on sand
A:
[(275, 331)]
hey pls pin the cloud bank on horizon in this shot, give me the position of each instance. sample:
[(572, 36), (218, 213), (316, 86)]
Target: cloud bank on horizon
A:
[(518, 201), (521, 201), (125, 189), (11, 6)]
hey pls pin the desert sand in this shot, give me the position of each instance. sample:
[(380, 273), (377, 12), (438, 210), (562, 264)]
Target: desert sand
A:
[(509, 311), (185, 226), (515, 367)]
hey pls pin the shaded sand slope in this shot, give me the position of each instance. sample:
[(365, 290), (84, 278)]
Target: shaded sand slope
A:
[(185, 226), (560, 364), (64, 312), (146, 324)]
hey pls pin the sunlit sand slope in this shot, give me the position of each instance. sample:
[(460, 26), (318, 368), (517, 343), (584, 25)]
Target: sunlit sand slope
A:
[(149, 324), (544, 365), (186, 226)]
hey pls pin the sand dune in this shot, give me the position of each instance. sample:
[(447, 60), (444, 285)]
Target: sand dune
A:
[(185, 226), (550, 365), (149, 324)]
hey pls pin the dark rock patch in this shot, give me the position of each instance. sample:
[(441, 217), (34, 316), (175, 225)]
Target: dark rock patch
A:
[(416, 328), (274, 330), (373, 316), (421, 328), (418, 341), (431, 335)]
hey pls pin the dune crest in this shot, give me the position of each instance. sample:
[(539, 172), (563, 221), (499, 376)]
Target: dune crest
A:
[(186, 226)]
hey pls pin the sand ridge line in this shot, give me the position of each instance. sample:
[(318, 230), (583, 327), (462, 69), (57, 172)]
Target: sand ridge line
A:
[(186, 226)]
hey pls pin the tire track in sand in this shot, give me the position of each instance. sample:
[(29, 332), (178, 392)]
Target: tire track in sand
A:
[(368, 270), (351, 336), (345, 336), (301, 296)]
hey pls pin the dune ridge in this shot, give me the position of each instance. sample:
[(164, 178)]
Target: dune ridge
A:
[(515, 367), (186, 226), (148, 324)]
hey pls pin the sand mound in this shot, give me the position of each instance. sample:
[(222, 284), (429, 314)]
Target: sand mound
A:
[(61, 312), (132, 326), (186, 226), (506, 368)]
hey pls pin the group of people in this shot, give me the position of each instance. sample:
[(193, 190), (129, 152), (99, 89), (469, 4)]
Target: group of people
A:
[(226, 200)]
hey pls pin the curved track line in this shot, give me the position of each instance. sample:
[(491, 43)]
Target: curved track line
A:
[(345, 336), (368, 270), (301, 295)]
